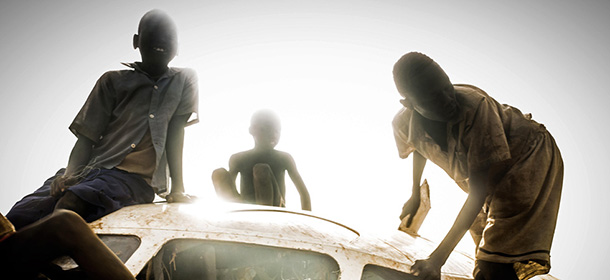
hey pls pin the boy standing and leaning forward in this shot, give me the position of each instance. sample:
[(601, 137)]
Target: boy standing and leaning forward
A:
[(130, 131), (262, 168), (508, 164)]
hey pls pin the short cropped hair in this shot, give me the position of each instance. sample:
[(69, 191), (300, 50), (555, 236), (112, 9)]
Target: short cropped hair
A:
[(265, 117), (156, 14), (413, 66)]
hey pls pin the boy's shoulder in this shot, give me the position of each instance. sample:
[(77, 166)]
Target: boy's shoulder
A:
[(132, 67), (183, 69), (120, 73), (470, 97), (189, 72), (471, 92), (240, 155), (282, 156), (282, 153), (109, 74)]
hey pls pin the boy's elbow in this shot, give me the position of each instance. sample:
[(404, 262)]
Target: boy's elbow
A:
[(82, 139), (477, 198)]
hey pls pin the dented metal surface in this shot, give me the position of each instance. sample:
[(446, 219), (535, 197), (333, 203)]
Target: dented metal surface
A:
[(156, 224)]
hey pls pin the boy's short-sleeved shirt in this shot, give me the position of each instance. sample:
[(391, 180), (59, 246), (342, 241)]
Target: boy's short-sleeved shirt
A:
[(524, 188), (125, 104), (486, 132)]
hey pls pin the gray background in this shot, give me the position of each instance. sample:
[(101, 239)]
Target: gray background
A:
[(325, 67)]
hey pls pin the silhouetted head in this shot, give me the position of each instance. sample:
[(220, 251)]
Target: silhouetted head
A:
[(265, 128), (425, 87), (157, 40)]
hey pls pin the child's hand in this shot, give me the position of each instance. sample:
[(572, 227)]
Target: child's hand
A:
[(426, 270), (409, 209), (180, 197), (62, 183)]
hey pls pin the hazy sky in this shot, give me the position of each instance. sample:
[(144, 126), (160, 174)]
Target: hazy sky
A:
[(325, 68)]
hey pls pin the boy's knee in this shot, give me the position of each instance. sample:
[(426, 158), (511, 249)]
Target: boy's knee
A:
[(63, 216), (221, 179), (70, 201), (220, 174), (66, 224)]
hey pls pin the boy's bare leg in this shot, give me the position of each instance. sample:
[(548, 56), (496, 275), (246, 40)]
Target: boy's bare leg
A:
[(224, 186), (265, 185), (63, 233)]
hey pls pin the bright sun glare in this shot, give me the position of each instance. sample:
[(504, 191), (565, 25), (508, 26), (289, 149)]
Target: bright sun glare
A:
[(336, 103)]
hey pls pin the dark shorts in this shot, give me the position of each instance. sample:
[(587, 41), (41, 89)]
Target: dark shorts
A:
[(107, 190)]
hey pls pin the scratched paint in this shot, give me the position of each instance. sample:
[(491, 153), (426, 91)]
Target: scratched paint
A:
[(156, 224)]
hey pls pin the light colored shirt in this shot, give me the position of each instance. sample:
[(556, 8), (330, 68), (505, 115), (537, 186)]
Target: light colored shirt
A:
[(485, 132)]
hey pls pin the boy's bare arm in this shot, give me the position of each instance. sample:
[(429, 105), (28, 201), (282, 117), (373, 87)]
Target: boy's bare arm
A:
[(296, 178), (411, 206), (174, 148), (429, 268), (233, 171), (79, 158), (234, 162)]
